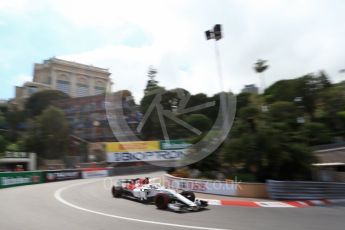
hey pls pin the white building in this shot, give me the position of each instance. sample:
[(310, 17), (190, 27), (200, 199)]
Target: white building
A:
[(74, 79), (250, 89)]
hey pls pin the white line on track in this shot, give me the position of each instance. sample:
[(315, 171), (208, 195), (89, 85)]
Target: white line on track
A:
[(58, 196)]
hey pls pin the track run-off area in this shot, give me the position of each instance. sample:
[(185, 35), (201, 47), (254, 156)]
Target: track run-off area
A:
[(88, 204)]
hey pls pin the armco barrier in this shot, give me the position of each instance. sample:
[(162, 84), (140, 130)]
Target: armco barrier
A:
[(305, 190), (11, 179), (61, 175), (94, 172)]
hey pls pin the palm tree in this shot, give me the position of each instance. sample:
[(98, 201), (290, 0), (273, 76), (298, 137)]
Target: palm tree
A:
[(259, 67)]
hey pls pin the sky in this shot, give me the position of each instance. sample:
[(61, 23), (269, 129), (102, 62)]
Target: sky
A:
[(296, 37)]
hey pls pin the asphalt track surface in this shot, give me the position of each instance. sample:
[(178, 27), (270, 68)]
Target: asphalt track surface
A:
[(87, 204)]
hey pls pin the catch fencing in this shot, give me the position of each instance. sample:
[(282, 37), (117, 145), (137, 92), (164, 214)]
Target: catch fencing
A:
[(305, 190)]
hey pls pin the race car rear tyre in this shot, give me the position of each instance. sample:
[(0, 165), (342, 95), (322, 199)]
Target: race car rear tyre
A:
[(116, 191), (162, 200), (189, 195)]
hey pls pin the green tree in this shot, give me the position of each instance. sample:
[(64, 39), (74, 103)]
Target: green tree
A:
[(283, 90), (331, 102), (324, 80), (49, 134), (14, 147), (33, 138), (341, 115), (242, 100), (283, 111), (3, 108), (3, 144), (2, 122), (265, 143), (212, 112), (307, 87), (15, 122), (152, 83), (151, 129), (201, 98), (269, 153), (249, 116), (317, 133), (199, 121), (197, 99), (39, 101)]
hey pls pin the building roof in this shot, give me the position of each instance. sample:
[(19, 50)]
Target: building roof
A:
[(335, 155), (75, 65), (329, 164)]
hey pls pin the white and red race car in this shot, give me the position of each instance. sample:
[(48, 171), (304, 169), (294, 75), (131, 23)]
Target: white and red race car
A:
[(142, 190)]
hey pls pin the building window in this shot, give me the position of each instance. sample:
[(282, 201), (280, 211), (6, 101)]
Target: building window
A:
[(48, 80), (99, 90), (82, 90), (32, 90), (63, 86), (99, 87)]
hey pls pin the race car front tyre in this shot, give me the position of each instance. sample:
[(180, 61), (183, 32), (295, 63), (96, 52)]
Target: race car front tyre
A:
[(189, 195), (116, 191), (162, 200)]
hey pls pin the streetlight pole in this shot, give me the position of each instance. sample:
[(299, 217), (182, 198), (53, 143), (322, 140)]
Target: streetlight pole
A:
[(219, 65), (263, 86)]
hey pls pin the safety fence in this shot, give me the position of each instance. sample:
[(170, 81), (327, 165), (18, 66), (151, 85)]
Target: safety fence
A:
[(305, 190)]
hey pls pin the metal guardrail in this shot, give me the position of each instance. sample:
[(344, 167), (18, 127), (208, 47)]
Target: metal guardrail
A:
[(305, 190)]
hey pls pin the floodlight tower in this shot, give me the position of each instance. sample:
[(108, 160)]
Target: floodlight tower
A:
[(216, 34)]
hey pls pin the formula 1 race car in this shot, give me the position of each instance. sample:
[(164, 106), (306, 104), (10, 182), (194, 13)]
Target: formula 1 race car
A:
[(142, 190)]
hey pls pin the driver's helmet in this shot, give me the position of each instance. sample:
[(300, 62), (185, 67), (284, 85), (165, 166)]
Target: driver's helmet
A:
[(146, 180)]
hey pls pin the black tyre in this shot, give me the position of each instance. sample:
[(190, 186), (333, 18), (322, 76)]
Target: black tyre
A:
[(189, 195), (116, 191), (162, 200)]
